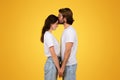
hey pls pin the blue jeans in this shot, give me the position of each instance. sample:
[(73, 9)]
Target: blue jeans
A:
[(70, 72), (50, 70)]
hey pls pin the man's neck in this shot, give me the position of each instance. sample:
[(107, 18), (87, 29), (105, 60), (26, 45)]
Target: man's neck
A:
[(66, 25)]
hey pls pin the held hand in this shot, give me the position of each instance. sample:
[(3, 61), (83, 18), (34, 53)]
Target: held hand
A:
[(61, 71)]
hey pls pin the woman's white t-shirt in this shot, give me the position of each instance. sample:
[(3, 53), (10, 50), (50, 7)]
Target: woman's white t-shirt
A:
[(50, 40)]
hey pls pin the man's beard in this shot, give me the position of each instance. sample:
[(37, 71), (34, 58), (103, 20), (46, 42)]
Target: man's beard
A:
[(61, 22)]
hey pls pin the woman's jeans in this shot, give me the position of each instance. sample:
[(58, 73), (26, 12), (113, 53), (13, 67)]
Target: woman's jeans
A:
[(50, 69)]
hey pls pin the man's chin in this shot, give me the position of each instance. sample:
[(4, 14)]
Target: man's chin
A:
[(60, 22)]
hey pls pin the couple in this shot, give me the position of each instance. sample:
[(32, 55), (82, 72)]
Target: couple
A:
[(60, 60)]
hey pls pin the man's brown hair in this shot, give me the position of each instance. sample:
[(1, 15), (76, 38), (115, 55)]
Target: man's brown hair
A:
[(68, 14)]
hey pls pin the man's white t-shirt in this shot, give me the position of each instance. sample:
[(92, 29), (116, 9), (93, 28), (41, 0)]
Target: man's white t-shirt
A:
[(49, 40), (69, 35)]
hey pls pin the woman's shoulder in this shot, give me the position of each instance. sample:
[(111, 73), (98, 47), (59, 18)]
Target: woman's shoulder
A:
[(47, 34)]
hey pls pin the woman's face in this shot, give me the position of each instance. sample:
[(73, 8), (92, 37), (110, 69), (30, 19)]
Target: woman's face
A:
[(54, 26)]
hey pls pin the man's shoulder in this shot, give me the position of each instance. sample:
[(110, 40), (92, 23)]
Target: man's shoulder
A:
[(71, 30)]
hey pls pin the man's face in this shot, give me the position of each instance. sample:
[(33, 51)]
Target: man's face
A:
[(60, 17)]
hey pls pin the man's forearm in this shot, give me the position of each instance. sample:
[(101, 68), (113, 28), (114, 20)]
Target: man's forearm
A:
[(66, 57)]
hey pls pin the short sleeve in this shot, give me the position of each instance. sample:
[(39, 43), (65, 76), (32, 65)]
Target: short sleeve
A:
[(48, 39), (69, 36)]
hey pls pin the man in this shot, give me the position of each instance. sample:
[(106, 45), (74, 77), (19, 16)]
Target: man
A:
[(68, 45)]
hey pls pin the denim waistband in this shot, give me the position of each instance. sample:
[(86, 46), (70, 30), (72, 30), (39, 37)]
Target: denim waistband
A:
[(50, 58)]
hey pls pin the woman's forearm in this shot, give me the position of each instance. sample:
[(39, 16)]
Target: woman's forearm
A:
[(54, 57)]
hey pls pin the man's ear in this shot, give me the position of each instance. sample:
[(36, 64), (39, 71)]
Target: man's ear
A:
[(64, 19)]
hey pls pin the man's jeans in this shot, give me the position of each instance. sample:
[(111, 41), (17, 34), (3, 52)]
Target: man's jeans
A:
[(70, 72)]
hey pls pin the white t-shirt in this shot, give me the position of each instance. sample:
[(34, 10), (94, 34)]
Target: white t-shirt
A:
[(49, 40), (69, 35)]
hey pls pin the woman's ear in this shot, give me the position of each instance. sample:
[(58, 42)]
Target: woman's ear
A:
[(51, 27)]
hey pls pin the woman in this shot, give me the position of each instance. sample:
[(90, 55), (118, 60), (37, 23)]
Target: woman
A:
[(51, 47)]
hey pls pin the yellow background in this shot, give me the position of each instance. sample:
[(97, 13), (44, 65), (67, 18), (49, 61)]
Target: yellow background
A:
[(97, 23)]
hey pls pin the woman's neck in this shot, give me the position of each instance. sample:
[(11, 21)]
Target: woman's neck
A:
[(50, 31)]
